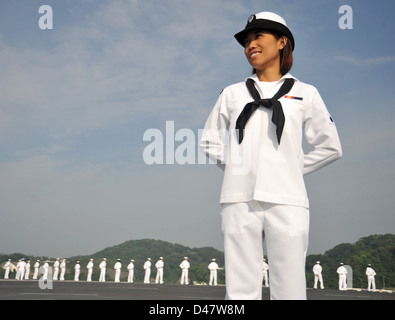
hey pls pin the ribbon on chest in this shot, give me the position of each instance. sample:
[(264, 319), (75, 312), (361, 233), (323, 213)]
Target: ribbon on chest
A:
[(278, 117)]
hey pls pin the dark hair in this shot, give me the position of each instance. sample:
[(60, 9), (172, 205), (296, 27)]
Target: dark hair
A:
[(286, 57)]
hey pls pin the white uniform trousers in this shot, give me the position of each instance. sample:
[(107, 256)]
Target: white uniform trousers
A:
[(318, 277), (371, 283), (285, 230), (159, 276)]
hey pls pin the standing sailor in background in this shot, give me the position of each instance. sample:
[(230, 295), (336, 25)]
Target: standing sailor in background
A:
[(56, 266), (20, 269), (371, 280), (342, 272), (317, 270), (46, 270), (90, 270), (7, 267), (102, 266), (213, 267), (131, 271), (159, 270), (117, 268), (147, 268), (62, 269), (77, 270), (185, 265), (36, 268), (27, 270)]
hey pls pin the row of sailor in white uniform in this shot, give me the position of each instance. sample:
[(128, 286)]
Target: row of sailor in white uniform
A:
[(59, 270), (342, 272)]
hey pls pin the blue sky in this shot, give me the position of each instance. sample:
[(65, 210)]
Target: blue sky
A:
[(76, 101)]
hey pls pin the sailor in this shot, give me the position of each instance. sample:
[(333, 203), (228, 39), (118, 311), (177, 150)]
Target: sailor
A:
[(147, 268), (342, 272), (7, 267), (255, 133), (90, 270), (20, 269), (56, 269), (117, 267), (265, 269), (27, 270), (131, 271), (46, 270), (102, 267), (317, 270), (36, 269), (77, 270), (62, 269), (213, 267), (159, 271), (371, 278), (185, 265)]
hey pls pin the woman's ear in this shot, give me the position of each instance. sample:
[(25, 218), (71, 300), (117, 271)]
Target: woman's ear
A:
[(283, 42)]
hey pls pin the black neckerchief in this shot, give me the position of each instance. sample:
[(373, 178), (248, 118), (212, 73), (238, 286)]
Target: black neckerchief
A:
[(278, 117)]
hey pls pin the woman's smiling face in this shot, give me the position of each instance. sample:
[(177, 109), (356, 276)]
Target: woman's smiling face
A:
[(262, 50)]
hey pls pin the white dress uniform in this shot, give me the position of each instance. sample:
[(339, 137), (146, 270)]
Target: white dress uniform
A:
[(20, 269), (317, 270), (342, 272), (371, 278), (131, 271), (118, 267), (77, 270), (62, 269), (56, 266), (159, 271), (263, 190), (185, 265), (102, 267), (90, 270), (7, 267), (213, 267), (36, 269), (27, 270), (46, 270), (147, 273)]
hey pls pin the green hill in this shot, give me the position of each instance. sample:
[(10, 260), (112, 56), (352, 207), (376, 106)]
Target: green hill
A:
[(378, 250)]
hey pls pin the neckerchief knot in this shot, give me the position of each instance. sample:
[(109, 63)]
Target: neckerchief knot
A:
[(278, 117)]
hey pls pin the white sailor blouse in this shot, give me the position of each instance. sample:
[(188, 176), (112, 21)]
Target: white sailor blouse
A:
[(260, 168)]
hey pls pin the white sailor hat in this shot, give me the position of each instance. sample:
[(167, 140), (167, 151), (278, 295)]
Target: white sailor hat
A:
[(266, 21)]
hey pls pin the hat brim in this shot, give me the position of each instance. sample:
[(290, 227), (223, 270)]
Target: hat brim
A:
[(268, 25)]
